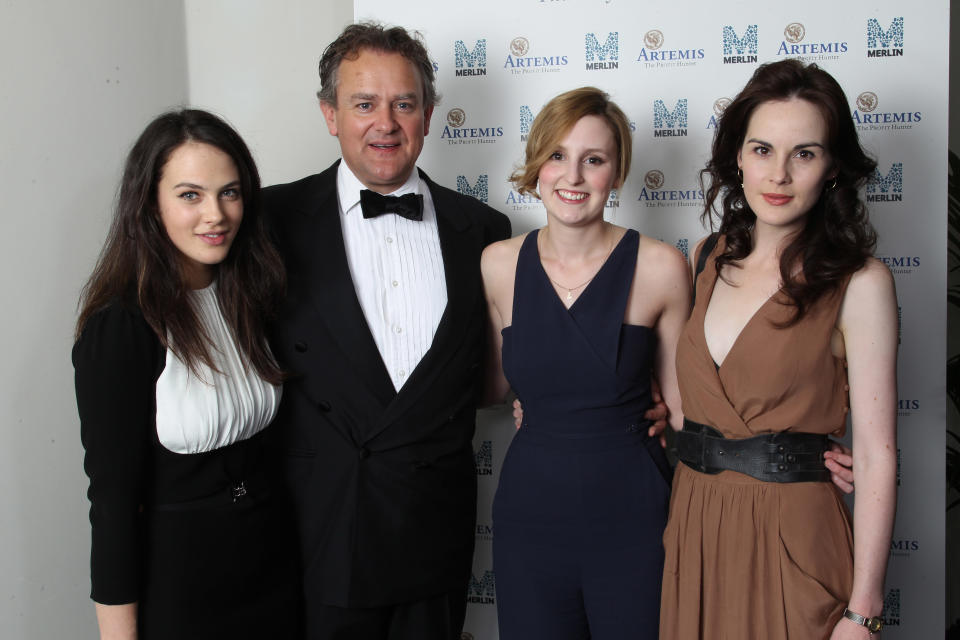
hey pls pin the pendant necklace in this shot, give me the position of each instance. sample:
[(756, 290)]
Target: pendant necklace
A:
[(568, 299)]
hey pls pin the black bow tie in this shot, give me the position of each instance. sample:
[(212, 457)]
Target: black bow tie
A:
[(409, 205)]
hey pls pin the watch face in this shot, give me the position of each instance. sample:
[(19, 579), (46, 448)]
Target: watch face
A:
[(874, 624)]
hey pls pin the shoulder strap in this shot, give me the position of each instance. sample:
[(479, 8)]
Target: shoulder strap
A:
[(705, 250)]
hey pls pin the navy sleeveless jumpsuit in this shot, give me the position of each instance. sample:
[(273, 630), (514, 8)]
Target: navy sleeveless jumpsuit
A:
[(582, 502)]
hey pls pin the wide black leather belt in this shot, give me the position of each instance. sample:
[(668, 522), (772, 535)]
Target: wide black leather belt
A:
[(772, 457)]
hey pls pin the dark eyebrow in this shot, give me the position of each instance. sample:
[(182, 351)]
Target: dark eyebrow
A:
[(190, 185), (802, 145)]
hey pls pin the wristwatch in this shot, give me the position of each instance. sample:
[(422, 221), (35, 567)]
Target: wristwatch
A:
[(873, 624)]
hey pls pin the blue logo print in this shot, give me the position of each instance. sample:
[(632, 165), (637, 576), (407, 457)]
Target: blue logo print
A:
[(606, 55), (482, 591), (479, 191), (890, 186), (483, 458), (668, 123), (890, 41), (747, 47), (526, 121), (470, 63)]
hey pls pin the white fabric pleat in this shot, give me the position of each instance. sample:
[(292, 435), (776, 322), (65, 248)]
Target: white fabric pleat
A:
[(397, 270), (220, 407)]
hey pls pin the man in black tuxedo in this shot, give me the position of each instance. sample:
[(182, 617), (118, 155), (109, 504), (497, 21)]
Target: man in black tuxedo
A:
[(383, 329)]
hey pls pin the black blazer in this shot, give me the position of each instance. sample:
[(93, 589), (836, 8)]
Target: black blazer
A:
[(383, 483)]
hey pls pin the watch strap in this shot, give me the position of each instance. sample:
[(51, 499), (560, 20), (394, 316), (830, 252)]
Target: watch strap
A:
[(873, 625)]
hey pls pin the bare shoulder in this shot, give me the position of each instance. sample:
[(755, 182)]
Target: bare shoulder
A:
[(656, 259), (871, 291), (661, 278), (499, 260), (501, 251), (873, 275)]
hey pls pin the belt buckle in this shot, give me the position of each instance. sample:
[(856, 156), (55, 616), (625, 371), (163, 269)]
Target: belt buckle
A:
[(704, 434), (238, 490), (781, 457)]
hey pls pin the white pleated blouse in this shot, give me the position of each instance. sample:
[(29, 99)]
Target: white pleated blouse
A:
[(197, 414)]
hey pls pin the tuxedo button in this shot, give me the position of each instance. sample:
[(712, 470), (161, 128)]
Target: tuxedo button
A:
[(323, 405), (364, 453), (300, 346)]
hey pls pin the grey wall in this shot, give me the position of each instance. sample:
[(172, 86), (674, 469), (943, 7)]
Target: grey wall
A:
[(278, 114), (78, 82), (953, 349)]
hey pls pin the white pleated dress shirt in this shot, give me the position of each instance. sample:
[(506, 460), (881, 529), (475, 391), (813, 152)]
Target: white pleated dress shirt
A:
[(397, 271), (219, 408)]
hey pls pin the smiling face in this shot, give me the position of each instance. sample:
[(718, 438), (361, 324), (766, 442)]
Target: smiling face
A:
[(379, 119), (200, 207), (575, 181), (785, 161)]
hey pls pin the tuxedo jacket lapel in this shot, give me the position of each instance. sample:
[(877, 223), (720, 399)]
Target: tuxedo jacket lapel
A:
[(457, 245), (334, 297)]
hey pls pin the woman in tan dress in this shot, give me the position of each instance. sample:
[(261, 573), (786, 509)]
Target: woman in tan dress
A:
[(794, 326)]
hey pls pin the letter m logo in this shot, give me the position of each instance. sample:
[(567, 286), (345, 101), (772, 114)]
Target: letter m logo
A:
[(483, 587), (746, 44), (892, 181), (610, 49), (475, 58), (666, 119), (480, 191), (483, 457), (526, 119), (893, 35)]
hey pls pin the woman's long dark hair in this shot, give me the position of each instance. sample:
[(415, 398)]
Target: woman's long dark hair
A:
[(139, 263), (837, 238)]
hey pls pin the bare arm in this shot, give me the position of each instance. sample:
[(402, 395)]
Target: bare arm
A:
[(868, 321), (662, 276), (497, 266), (676, 310), (117, 621)]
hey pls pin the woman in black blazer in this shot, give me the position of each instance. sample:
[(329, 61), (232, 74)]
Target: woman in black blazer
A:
[(175, 385)]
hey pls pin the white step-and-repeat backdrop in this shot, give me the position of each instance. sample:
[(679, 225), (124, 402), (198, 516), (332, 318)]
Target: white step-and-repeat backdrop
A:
[(671, 66)]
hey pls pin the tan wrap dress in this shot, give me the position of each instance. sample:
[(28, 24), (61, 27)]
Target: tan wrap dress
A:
[(747, 559)]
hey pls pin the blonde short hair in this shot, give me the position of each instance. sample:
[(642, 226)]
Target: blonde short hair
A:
[(555, 121)]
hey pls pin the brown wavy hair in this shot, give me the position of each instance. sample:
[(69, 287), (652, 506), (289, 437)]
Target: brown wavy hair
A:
[(838, 237), (375, 37), (140, 264), (555, 121)]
